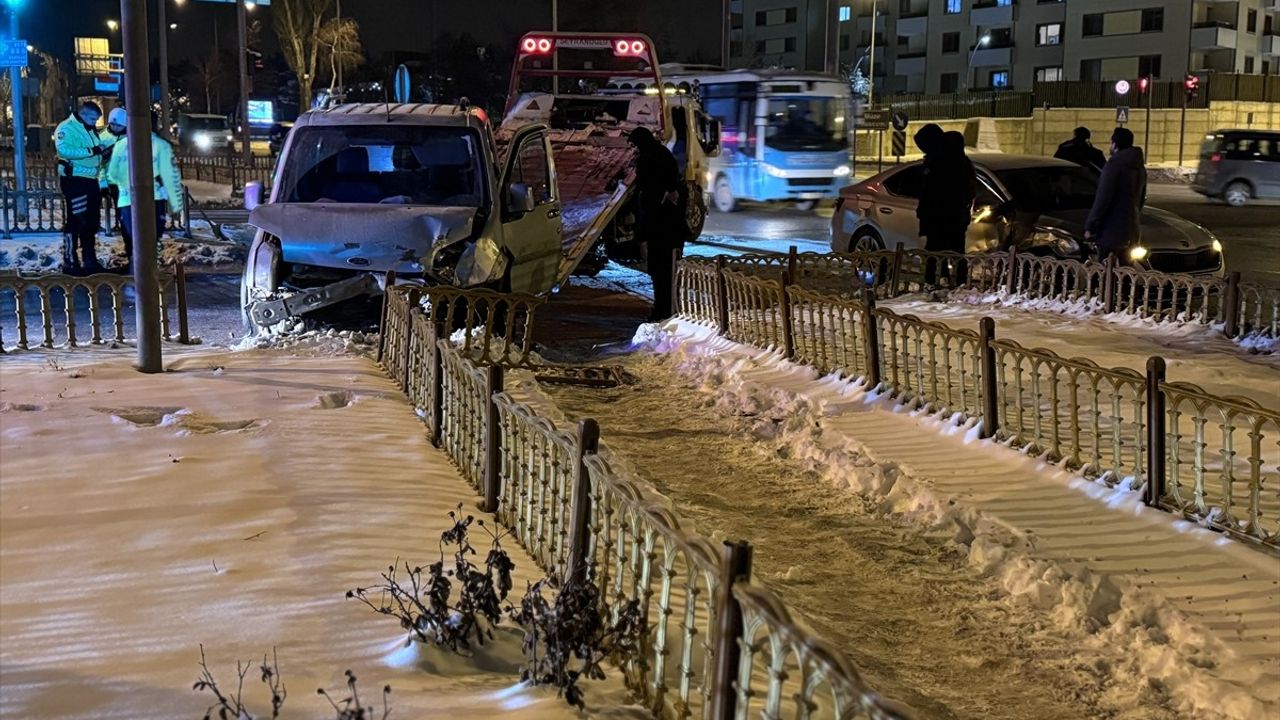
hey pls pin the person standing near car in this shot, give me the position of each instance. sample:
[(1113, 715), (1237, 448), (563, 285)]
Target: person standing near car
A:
[(1114, 224), (80, 153), (947, 190), (660, 221), (1081, 151), (116, 121), (168, 189)]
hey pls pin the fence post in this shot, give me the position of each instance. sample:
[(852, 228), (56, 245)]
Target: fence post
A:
[(899, 253), (186, 212), (1231, 302), (492, 441), (1154, 490), (413, 297), (437, 382), (722, 297), (1011, 278), (180, 288), (588, 444), (1109, 286), (990, 404), (387, 287), (735, 567), (793, 261), (788, 338), (872, 338)]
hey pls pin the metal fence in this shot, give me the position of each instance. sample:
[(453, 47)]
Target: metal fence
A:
[(716, 645), (43, 170), (1213, 459), (43, 211), (59, 298)]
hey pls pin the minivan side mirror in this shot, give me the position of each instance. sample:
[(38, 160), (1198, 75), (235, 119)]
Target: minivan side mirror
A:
[(252, 195), (713, 139), (519, 199)]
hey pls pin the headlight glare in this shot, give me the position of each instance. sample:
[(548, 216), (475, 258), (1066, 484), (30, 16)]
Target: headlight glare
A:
[(1138, 253)]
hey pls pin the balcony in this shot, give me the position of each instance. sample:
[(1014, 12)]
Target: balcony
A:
[(993, 57), (1272, 6), (917, 25), (909, 64), (989, 14), (1213, 36), (1271, 45)]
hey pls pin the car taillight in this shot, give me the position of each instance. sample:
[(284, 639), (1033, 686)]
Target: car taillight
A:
[(1215, 158)]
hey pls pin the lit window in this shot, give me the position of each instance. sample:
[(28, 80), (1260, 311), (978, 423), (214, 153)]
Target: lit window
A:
[(846, 13), (1049, 74), (1000, 79), (953, 7), (1049, 34)]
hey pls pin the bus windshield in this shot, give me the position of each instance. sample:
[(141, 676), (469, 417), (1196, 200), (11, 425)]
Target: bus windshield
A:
[(806, 123)]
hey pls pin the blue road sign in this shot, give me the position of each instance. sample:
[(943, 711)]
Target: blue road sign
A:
[(13, 53)]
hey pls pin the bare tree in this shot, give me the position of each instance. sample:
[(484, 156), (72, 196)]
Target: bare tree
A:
[(298, 24), (210, 74), (51, 104), (342, 48)]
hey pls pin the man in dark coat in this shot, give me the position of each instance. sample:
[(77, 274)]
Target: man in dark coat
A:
[(945, 207), (1115, 220), (1080, 151), (660, 221)]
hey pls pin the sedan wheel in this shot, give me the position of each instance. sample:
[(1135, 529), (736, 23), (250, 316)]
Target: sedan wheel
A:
[(1237, 194), (866, 241)]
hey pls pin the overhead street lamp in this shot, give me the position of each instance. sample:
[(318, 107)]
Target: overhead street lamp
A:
[(112, 25), (982, 42)]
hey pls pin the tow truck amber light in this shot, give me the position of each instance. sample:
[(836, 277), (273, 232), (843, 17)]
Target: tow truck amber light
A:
[(629, 48)]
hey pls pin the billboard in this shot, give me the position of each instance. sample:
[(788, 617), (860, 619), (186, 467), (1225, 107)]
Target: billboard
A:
[(261, 112)]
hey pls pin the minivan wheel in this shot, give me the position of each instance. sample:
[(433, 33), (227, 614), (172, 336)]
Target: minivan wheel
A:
[(1237, 194)]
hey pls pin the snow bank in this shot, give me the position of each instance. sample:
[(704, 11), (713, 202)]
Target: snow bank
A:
[(1209, 661), (295, 337), (38, 254)]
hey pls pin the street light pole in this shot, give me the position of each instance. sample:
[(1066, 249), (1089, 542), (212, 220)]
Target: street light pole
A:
[(19, 125), (871, 78), (555, 52), (968, 72), (242, 32), (163, 24), (142, 183)]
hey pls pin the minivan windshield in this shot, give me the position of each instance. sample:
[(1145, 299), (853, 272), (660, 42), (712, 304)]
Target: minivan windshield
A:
[(205, 123), (396, 164), (1051, 187)]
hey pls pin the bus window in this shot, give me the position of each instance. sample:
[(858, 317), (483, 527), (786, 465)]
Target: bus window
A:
[(805, 123)]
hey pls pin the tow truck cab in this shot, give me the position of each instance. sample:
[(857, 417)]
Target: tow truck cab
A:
[(364, 189)]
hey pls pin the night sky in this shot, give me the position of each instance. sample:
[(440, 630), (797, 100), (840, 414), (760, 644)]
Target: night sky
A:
[(689, 27)]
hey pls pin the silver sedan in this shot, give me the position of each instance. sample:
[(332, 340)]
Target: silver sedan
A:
[(1037, 204)]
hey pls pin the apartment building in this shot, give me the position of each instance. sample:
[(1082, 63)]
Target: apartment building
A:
[(939, 46)]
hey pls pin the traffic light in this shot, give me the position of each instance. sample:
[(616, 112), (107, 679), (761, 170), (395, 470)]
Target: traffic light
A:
[(254, 60), (1192, 84), (1144, 82)]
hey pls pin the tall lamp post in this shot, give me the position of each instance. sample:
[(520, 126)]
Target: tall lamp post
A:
[(968, 72), (871, 74), (19, 125)]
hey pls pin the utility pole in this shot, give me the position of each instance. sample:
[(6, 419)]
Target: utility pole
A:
[(871, 78), (242, 33), (555, 52), (142, 183), (163, 24), (339, 65), (725, 30), (19, 125)]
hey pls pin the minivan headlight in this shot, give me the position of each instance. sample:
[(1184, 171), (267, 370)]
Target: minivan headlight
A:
[(1217, 245), (1138, 253)]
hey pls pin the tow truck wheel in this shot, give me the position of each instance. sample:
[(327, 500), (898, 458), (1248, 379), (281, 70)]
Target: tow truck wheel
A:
[(722, 195), (696, 213)]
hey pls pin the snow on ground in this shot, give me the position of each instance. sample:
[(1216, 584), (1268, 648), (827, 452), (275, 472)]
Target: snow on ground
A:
[(35, 254), (230, 501), (1193, 613), (1198, 354), (962, 577)]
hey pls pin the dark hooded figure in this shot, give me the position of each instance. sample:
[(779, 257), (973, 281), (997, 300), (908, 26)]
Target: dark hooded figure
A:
[(1080, 151), (946, 194), (1115, 220), (660, 221)]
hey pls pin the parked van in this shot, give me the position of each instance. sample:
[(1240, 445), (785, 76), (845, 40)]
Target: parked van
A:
[(1236, 165)]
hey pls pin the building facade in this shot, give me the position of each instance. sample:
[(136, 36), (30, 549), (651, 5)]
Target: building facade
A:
[(941, 46)]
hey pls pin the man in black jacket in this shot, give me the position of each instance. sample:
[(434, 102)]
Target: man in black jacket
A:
[(1115, 220), (660, 221), (1080, 151), (945, 207)]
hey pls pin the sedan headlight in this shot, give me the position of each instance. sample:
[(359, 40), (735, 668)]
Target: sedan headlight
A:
[(1061, 242), (842, 171), (774, 171), (1138, 253), (1217, 245)]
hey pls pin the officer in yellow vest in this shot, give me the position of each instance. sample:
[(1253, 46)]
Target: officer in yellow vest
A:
[(80, 154), (168, 187)]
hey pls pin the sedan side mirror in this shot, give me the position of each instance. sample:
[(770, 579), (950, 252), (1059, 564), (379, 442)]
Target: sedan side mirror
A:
[(252, 195), (519, 199)]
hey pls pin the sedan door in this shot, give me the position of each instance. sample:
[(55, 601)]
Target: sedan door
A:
[(894, 207)]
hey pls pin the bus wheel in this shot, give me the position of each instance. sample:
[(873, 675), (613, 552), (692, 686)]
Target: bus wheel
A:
[(806, 205), (722, 195)]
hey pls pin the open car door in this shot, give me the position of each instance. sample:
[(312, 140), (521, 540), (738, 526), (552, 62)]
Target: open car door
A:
[(531, 211)]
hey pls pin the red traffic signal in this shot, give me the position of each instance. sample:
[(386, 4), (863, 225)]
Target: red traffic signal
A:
[(1144, 83), (1192, 83)]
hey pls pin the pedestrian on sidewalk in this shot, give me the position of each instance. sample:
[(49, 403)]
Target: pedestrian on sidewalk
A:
[(80, 153), (168, 184), (946, 196), (1081, 151), (660, 221), (1114, 224)]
